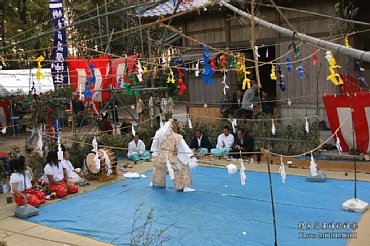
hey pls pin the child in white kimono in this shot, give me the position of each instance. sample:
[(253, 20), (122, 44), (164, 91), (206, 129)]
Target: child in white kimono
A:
[(74, 175)]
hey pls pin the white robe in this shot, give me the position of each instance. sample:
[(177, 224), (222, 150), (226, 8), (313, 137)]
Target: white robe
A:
[(133, 148), (225, 141)]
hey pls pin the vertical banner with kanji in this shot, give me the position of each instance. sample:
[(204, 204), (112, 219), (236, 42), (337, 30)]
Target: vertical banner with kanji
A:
[(59, 69)]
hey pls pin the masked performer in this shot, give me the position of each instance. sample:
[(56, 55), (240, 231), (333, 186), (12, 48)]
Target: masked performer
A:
[(173, 156)]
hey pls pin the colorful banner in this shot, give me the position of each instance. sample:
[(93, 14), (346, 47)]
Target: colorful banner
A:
[(339, 112), (92, 76), (4, 113), (119, 67), (59, 68)]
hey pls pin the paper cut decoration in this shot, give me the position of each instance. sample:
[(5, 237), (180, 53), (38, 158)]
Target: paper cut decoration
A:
[(246, 80), (39, 73), (189, 123), (256, 52), (313, 166), (87, 92), (307, 126), (334, 76), (346, 42), (92, 78), (226, 87), (281, 79), (288, 64), (300, 70), (314, 59), (171, 77), (273, 72), (282, 170), (207, 69)]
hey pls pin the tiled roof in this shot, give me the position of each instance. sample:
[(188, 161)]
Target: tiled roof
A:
[(167, 8)]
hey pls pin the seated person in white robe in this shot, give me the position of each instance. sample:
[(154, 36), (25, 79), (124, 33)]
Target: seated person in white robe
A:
[(225, 143), (173, 156), (74, 174), (136, 149)]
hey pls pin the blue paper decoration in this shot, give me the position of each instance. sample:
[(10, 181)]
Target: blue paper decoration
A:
[(92, 78), (288, 64), (300, 70), (281, 78), (87, 91), (207, 71)]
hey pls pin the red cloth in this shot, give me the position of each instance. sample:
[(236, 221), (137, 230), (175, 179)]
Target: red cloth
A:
[(4, 113), (338, 108), (34, 198), (79, 73), (61, 191), (350, 84), (39, 194), (117, 68)]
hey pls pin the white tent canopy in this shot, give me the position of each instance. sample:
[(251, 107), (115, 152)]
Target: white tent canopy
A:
[(21, 80)]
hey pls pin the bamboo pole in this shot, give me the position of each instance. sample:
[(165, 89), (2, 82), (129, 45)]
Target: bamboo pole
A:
[(255, 58), (337, 48)]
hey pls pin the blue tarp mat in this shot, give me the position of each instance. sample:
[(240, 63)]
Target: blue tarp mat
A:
[(220, 212)]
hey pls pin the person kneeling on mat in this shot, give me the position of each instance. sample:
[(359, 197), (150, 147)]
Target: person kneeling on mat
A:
[(55, 174), (136, 149), (74, 174), (21, 186)]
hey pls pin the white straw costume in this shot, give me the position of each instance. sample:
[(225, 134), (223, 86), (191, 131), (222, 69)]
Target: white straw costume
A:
[(171, 155)]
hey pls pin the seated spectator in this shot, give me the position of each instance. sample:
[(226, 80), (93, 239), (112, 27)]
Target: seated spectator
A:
[(225, 106), (200, 143), (74, 174), (145, 117), (125, 126), (246, 110), (224, 143), (136, 149), (244, 143), (237, 101), (266, 102), (106, 126), (55, 174), (139, 107), (21, 186)]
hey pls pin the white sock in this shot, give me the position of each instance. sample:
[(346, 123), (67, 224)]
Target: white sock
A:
[(188, 189)]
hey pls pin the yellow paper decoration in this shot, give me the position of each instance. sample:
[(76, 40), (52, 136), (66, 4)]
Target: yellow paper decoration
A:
[(334, 77), (246, 81), (155, 72), (39, 74), (171, 77), (273, 73), (145, 70), (346, 42)]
